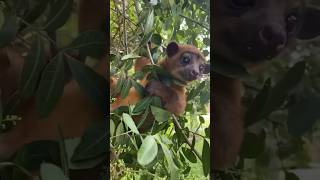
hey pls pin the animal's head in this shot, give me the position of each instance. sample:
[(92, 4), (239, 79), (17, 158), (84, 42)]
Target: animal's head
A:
[(250, 31), (185, 62)]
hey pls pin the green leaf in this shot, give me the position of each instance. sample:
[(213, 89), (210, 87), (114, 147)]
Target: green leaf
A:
[(93, 143), (125, 89), (139, 88), (172, 167), (229, 69), (112, 127), (130, 123), (51, 86), (60, 11), (71, 145), (30, 156), (129, 56), (149, 23), (33, 65), (148, 151), (189, 155), (90, 43), (280, 91), (195, 92), (94, 85), (206, 157), (253, 145), (120, 140), (8, 30), (254, 111), (156, 39), (51, 172), (303, 115), (142, 105), (291, 176), (160, 114), (206, 41)]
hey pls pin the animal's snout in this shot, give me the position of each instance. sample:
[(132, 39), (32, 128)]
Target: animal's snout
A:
[(273, 36)]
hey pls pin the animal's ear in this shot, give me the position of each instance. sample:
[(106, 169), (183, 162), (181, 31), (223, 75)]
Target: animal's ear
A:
[(172, 49), (310, 27), (206, 69)]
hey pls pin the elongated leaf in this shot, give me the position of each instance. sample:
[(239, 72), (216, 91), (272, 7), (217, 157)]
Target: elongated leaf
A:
[(139, 88), (303, 115), (255, 109), (93, 143), (130, 123), (172, 167), (129, 56), (291, 176), (125, 89), (32, 67), (8, 30), (229, 69), (253, 145), (90, 43), (112, 127), (280, 91), (51, 172), (194, 92), (206, 157), (51, 86), (60, 11), (147, 151), (90, 82), (142, 105), (189, 155), (71, 145), (149, 23), (160, 114)]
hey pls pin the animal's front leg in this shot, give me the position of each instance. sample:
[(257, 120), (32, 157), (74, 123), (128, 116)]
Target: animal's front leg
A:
[(171, 100)]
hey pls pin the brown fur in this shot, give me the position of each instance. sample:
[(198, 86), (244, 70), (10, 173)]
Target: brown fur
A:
[(174, 96)]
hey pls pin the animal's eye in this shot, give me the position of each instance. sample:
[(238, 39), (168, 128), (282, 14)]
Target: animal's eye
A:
[(237, 4), (185, 60), (292, 21)]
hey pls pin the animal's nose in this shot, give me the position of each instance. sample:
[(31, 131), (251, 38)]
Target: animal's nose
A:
[(273, 35), (194, 73)]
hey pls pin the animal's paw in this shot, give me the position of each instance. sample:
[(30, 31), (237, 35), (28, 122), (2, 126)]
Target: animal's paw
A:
[(153, 87)]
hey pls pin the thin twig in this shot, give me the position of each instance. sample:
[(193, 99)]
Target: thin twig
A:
[(194, 21), (124, 14), (177, 124), (136, 6)]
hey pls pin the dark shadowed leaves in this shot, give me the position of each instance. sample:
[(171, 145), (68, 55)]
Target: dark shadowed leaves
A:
[(8, 30), (93, 143), (303, 115), (94, 85), (51, 86), (280, 91), (33, 65), (60, 10), (90, 43)]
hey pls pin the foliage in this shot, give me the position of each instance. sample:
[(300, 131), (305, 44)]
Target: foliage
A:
[(281, 115), (138, 27), (39, 27)]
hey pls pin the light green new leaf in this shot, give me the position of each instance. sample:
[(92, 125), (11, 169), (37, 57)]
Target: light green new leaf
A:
[(147, 151), (130, 123)]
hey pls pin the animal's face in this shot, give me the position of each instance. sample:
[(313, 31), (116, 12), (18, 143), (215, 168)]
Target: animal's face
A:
[(256, 30), (185, 62)]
